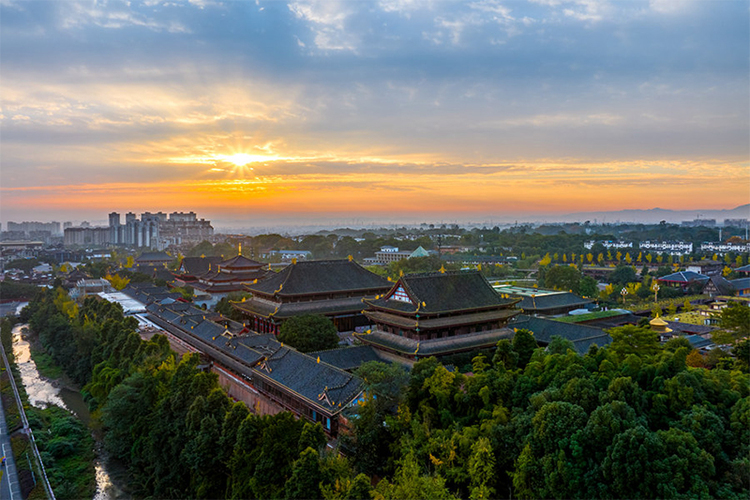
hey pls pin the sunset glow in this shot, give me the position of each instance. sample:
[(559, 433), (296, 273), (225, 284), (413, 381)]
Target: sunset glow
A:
[(344, 109)]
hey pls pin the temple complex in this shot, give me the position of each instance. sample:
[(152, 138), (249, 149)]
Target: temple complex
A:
[(257, 369), (192, 268), (333, 288), (437, 314), (228, 276)]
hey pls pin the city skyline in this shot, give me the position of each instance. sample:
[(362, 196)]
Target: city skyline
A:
[(392, 109)]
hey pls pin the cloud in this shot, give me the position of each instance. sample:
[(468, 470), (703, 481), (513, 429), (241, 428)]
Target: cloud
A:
[(328, 23), (553, 90), (112, 15)]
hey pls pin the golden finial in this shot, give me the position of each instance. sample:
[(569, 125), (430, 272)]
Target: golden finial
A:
[(442, 269), (350, 258), (203, 256), (294, 260), (239, 249), (318, 359), (255, 281), (401, 272), (389, 278)]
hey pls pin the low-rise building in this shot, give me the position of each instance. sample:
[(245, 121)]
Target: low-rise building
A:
[(535, 301), (670, 247), (608, 244), (683, 279), (389, 254)]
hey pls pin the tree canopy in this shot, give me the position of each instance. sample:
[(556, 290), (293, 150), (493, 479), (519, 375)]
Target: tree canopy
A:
[(309, 332)]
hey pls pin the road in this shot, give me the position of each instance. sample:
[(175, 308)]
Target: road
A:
[(9, 487)]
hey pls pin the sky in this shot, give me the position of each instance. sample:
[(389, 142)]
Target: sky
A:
[(413, 109)]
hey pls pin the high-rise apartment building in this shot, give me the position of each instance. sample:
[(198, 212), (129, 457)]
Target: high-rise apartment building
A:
[(158, 230)]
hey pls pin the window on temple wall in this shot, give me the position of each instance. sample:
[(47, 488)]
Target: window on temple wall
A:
[(400, 295)]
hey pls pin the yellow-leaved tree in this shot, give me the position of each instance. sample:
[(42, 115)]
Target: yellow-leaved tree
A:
[(117, 281)]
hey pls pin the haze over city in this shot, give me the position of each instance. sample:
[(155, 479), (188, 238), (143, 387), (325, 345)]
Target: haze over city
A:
[(385, 110)]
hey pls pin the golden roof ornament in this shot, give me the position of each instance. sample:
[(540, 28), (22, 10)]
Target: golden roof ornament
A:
[(351, 258), (294, 260), (442, 269)]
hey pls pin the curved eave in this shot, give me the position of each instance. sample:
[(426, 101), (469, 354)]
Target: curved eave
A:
[(426, 313)]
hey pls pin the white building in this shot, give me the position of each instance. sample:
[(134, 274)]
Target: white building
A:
[(670, 247)]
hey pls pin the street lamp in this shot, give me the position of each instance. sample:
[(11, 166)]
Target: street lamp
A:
[(655, 288), (623, 292)]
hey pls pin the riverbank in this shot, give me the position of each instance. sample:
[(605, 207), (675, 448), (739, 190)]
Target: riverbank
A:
[(77, 465)]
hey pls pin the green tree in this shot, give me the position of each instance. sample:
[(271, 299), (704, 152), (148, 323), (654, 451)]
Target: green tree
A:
[(559, 345), (306, 477), (505, 355), (310, 332), (409, 482), (482, 470), (622, 275), (735, 323), (631, 339), (588, 287), (563, 278), (524, 344)]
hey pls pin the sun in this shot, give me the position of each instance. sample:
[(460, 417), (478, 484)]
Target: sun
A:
[(242, 159)]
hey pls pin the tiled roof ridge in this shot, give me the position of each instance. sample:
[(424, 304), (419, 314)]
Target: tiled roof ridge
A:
[(323, 261), (433, 274), (349, 377)]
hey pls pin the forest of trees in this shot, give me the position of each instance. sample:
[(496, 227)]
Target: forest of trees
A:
[(632, 420)]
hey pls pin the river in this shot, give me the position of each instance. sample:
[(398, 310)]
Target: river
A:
[(42, 392)]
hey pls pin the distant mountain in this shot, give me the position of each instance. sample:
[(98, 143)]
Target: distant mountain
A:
[(656, 215)]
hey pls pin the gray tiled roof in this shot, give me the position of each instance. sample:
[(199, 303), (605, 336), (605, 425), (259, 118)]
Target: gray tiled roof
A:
[(544, 329), (699, 342), (320, 276), (435, 293), (321, 384), (743, 269), (153, 257), (545, 302), (347, 305), (678, 326), (684, 277), (347, 358), (241, 262), (442, 321), (741, 284), (197, 266), (435, 347), (723, 286)]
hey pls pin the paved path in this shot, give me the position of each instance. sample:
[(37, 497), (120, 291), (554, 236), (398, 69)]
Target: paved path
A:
[(9, 487)]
